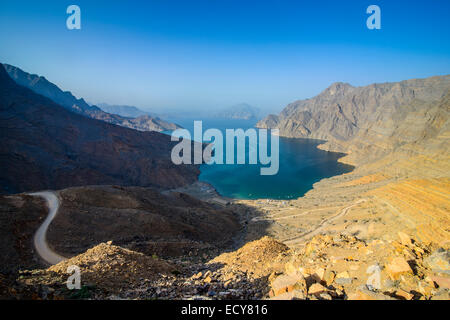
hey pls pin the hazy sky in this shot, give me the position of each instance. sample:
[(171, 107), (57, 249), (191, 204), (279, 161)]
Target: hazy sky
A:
[(214, 53)]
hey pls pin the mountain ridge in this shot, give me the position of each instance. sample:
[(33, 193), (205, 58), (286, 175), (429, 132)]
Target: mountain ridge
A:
[(345, 116), (42, 86), (46, 146), (124, 110)]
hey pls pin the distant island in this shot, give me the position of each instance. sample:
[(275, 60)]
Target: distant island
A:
[(242, 111)]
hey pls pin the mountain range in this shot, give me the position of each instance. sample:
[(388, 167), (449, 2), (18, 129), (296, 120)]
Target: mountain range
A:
[(47, 145), (42, 86), (371, 121)]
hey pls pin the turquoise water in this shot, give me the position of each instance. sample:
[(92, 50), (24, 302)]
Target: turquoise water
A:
[(301, 165)]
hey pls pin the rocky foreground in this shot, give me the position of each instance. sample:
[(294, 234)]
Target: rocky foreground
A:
[(327, 268), (342, 267)]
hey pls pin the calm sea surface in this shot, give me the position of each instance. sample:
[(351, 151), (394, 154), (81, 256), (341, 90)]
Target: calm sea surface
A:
[(301, 165)]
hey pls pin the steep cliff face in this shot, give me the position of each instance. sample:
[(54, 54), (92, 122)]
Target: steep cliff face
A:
[(372, 120), (420, 131), (398, 137), (45, 146), (42, 86)]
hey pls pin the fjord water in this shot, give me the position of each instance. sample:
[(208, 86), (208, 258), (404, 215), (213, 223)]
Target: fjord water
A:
[(301, 165)]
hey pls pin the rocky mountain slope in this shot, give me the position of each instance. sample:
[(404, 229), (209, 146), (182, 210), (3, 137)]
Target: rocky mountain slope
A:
[(20, 216), (398, 137), (45, 146), (370, 121), (42, 86), (141, 219)]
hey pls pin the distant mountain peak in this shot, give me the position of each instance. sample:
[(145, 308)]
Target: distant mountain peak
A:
[(338, 86), (240, 111)]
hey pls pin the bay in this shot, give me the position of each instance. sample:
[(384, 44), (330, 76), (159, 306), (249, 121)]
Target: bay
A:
[(301, 165)]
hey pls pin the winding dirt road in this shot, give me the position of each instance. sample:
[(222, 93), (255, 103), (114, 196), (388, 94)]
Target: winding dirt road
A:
[(321, 226), (40, 239), (51, 257)]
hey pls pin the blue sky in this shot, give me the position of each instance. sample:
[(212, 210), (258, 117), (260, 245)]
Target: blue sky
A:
[(165, 55)]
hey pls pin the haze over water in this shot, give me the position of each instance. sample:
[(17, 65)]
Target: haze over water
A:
[(301, 165)]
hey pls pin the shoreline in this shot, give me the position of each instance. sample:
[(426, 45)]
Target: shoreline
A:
[(320, 142), (203, 191)]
